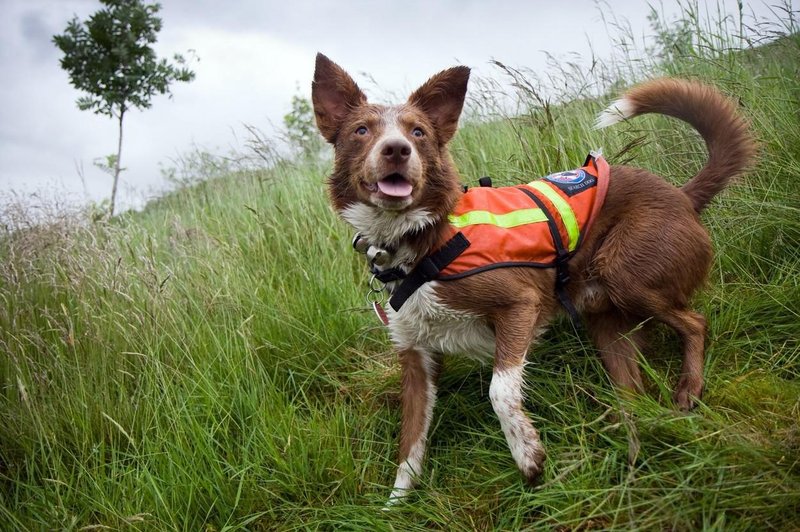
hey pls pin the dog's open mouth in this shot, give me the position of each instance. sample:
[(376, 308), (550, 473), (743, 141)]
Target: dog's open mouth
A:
[(395, 185)]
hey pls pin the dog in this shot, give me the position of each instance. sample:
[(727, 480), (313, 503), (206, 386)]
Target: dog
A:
[(643, 257)]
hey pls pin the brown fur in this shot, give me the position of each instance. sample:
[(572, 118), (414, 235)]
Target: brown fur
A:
[(645, 256), (413, 394)]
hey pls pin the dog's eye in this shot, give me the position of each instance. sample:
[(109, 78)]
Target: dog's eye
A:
[(362, 130), (417, 132)]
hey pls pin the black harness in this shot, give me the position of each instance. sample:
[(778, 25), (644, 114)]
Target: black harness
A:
[(429, 268)]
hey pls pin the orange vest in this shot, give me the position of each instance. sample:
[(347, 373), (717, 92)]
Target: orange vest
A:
[(539, 225), (514, 226)]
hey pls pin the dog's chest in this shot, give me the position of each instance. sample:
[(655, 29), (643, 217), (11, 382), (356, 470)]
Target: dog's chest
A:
[(424, 322)]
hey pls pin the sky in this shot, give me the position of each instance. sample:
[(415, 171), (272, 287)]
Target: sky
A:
[(250, 58)]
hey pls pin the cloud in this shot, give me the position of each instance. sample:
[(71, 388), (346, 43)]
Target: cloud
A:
[(37, 34), (254, 55)]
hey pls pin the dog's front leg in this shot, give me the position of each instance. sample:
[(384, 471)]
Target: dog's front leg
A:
[(513, 338), (418, 394)]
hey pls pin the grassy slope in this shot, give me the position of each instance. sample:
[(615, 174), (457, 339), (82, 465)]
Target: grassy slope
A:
[(206, 363)]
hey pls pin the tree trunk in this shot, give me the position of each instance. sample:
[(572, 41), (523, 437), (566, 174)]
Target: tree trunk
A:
[(117, 165)]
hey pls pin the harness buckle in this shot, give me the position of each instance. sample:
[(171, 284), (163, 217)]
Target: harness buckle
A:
[(562, 269), (562, 275)]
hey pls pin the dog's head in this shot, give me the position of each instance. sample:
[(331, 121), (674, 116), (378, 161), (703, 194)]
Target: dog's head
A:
[(390, 158)]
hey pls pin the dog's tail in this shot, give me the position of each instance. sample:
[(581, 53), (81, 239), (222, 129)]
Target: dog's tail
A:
[(731, 148)]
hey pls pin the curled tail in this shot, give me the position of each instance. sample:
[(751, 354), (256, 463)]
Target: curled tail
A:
[(731, 148)]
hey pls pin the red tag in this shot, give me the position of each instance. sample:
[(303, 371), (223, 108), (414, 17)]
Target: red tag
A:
[(378, 308)]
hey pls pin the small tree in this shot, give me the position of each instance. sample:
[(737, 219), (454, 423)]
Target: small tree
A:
[(301, 128), (109, 57)]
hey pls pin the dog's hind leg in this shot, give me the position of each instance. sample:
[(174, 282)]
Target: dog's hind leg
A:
[(691, 327), (656, 277), (619, 339), (513, 337), (420, 371)]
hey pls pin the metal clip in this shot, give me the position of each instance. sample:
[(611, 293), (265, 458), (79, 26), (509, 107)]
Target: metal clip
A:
[(378, 257), (376, 291), (360, 243)]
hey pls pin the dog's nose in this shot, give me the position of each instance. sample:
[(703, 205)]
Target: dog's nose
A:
[(396, 150)]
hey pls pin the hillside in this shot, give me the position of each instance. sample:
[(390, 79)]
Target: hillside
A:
[(209, 363)]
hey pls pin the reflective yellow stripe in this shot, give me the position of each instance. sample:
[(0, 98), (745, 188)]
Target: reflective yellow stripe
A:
[(567, 215), (512, 219)]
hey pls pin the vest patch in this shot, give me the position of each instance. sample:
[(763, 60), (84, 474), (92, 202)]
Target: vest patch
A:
[(573, 181)]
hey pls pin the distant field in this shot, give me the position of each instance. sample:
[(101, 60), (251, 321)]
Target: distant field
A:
[(208, 363)]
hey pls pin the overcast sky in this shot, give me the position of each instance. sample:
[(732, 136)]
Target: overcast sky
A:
[(253, 56)]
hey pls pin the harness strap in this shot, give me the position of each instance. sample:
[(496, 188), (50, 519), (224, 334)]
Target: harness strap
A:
[(428, 269), (564, 209), (388, 276), (561, 263)]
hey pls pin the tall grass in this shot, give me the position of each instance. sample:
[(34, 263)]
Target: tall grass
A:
[(208, 363)]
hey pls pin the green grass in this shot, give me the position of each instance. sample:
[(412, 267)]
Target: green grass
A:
[(208, 363)]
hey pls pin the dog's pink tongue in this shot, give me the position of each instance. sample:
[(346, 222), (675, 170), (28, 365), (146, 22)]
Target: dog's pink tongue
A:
[(397, 187)]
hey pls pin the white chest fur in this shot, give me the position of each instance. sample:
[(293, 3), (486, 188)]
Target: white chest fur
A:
[(425, 323)]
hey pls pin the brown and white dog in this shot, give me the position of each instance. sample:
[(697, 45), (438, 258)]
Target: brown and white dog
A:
[(643, 258)]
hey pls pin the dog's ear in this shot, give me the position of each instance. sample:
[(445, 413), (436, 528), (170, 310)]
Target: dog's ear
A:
[(442, 98), (334, 94)]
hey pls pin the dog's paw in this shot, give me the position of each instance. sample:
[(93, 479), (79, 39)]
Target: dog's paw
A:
[(398, 495), (532, 477), (534, 465), (686, 392)]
